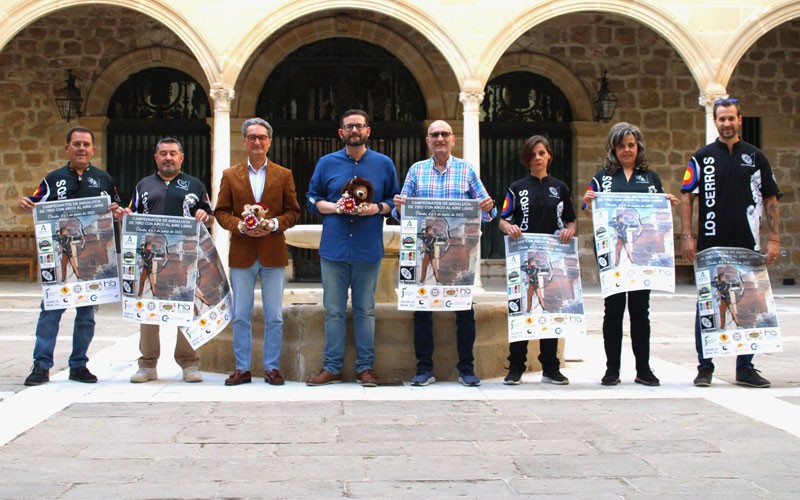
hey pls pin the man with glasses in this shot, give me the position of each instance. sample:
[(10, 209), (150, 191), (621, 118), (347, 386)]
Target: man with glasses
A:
[(258, 253), (734, 183), (169, 191), (351, 247), (77, 179), (444, 176)]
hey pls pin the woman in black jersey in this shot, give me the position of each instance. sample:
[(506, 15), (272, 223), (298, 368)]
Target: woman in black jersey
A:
[(537, 203), (626, 171)]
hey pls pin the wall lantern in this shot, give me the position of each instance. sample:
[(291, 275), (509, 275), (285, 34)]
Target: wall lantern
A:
[(605, 103), (69, 100)]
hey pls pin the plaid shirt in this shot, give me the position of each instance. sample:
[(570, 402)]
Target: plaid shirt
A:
[(457, 181)]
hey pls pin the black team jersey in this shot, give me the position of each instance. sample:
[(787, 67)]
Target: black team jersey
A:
[(642, 181), (65, 184), (538, 206), (730, 189), (180, 197)]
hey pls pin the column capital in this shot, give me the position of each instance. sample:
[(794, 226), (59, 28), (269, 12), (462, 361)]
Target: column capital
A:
[(713, 92), (222, 98), (471, 99)]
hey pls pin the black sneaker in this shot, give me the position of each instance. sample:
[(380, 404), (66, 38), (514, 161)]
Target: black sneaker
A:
[(555, 377), (647, 378), (82, 374), (38, 376), (703, 378), (611, 377), (751, 378), (514, 377)]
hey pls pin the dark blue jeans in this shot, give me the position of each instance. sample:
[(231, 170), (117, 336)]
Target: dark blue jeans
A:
[(47, 331), (743, 361), (548, 355), (465, 339)]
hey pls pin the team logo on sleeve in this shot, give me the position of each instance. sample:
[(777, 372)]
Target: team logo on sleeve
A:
[(689, 177), (507, 203)]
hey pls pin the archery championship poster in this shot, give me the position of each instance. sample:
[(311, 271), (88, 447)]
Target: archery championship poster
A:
[(634, 242), (545, 298), (438, 254), (77, 252), (735, 302), (213, 301), (159, 268)]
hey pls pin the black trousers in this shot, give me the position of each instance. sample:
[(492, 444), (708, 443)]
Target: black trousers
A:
[(548, 355), (465, 339), (639, 312)]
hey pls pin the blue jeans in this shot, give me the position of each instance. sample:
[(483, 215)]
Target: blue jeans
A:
[(243, 281), (47, 331), (465, 340), (337, 278), (743, 361)]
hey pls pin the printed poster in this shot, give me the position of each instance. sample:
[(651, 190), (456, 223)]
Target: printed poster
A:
[(545, 298), (634, 242), (77, 253), (735, 302), (438, 254), (213, 301), (159, 269)]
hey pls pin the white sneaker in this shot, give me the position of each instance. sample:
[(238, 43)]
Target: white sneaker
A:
[(191, 374), (144, 375)]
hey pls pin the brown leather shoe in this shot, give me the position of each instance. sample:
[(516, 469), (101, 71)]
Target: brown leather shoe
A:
[(238, 377), (367, 378), (273, 377), (325, 377)]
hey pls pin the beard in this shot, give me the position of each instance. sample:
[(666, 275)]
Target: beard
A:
[(355, 140)]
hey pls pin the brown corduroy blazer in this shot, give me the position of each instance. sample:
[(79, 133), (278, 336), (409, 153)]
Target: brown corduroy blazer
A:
[(279, 196)]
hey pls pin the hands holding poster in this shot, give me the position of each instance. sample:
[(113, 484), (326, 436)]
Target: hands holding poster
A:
[(634, 242), (438, 254), (734, 299), (545, 299), (77, 253)]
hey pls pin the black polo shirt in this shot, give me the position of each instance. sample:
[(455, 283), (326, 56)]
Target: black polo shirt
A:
[(538, 206), (65, 184), (180, 197)]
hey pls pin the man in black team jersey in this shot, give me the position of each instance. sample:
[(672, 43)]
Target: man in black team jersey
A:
[(77, 179), (734, 183), (169, 191)]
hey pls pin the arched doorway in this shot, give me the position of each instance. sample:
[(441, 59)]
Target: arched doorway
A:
[(517, 105), (308, 91), (150, 105)]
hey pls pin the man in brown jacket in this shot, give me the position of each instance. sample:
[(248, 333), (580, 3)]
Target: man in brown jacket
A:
[(259, 252)]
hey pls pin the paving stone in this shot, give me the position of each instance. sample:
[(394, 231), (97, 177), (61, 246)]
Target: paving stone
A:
[(456, 468), (535, 447), (571, 487), (430, 432), (582, 466), (575, 430), (175, 489), (12, 489), (686, 465), (223, 451), (71, 470), (256, 432), (652, 446), (684, 485), (429, 489), (291, 489)]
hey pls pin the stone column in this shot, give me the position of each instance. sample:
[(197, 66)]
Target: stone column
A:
[(713, 92), (221, 158), (472, 97)]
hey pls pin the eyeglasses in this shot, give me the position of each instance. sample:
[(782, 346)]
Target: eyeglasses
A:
[(254, 138), (434, 135), (729, 100), (350, 126)]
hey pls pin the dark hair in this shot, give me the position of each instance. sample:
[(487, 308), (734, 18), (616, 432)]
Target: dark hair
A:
[(351, 112), (615, 137), (256, 121), (169, 140), (730, 101), (527, 149), (79, 128)]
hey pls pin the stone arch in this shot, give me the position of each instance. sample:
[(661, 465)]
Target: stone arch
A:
[(749, 34), (415, 18), (249, 89), (20, 16), (559, 74), (117, 72), (689, 49)]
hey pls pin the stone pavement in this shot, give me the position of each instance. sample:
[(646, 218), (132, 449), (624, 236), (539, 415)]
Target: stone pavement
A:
[(168, 439)]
